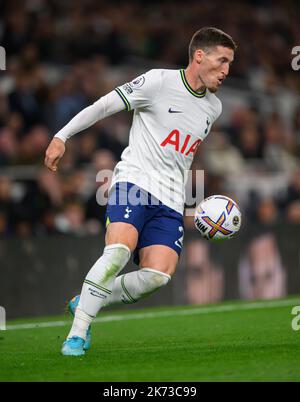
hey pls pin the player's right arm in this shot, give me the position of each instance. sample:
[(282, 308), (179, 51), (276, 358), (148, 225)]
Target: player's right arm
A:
[(104, 107), (139, 93)]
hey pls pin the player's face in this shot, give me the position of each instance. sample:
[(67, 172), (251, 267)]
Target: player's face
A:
[(214, 66)]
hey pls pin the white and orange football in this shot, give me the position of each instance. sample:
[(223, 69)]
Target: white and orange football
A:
[(218, 218)]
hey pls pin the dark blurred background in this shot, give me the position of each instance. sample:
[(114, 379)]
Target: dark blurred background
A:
[(64, 55)]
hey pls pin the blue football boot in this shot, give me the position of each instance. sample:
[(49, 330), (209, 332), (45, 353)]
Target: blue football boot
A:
[(73, 346), (72, 305)]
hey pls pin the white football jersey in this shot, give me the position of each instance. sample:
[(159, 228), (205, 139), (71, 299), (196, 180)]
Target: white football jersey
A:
[(169, 123)]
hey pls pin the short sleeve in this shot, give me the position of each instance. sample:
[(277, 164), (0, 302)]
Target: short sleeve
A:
[(142, 91), (218, 109)]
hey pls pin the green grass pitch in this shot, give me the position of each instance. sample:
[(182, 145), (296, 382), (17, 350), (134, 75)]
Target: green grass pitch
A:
[(224, 342)]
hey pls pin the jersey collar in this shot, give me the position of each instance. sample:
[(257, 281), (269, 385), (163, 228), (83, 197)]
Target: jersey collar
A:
[(186, 84)]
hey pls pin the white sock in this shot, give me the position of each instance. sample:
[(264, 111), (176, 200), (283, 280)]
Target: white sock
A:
[(80, 324), (131, 287), (97, 286)]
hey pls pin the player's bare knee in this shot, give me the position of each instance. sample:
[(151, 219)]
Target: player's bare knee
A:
[(124, 233)]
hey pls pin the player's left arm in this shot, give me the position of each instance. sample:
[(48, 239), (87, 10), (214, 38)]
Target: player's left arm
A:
[(217, 109), (216, 112)]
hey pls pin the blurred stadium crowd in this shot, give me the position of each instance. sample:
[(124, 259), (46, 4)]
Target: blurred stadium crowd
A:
[(64, 55)]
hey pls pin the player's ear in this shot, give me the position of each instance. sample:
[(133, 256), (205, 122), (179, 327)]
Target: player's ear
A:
[(198, 55)]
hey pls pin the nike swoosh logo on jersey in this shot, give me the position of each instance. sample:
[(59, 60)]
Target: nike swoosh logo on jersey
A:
[(174, 111)]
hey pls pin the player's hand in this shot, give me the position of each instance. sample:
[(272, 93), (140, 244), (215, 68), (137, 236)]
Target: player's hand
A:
[(54, 153)]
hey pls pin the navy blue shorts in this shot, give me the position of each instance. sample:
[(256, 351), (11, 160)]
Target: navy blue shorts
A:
[(156, 224)]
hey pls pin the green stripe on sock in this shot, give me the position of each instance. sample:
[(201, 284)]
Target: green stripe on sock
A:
[(97, 286), (126, 291)]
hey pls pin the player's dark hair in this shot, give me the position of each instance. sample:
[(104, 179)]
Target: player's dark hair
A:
[(209, 37)]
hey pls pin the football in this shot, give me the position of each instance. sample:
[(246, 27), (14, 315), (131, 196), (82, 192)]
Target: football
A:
[(218, 218)]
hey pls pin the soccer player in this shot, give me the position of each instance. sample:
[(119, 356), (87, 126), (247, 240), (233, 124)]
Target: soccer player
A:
[(173, 113)]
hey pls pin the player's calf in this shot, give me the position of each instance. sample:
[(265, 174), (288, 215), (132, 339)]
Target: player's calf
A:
[(131, 287)]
